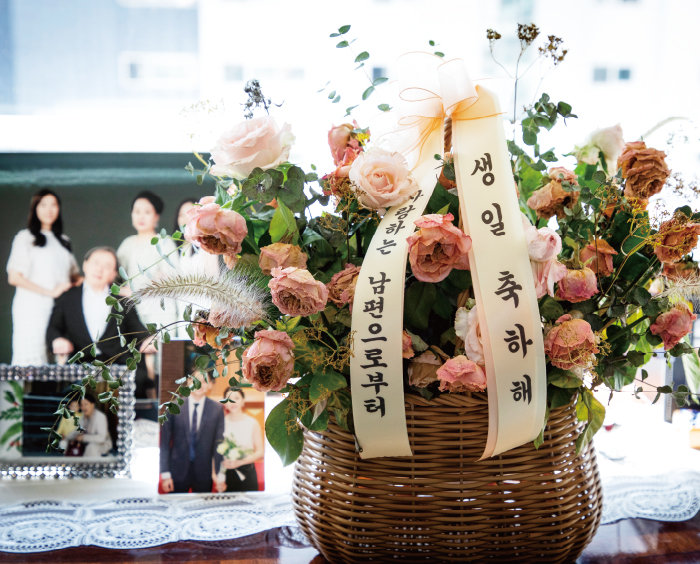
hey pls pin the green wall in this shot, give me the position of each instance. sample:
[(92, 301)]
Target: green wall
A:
[(96, 190)]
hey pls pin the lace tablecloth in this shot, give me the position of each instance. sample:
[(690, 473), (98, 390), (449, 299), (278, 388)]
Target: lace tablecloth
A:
[(648, 471)]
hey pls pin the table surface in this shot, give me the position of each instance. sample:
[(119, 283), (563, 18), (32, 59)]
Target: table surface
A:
[(627, 541)]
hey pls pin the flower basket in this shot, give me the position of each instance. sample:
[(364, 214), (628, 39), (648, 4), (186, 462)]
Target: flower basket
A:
[(443, 504)]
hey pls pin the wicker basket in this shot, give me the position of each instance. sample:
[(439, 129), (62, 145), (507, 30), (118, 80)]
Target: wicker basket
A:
[(443, 504)]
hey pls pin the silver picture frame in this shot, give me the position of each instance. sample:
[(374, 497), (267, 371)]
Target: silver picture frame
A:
[(115, 463)]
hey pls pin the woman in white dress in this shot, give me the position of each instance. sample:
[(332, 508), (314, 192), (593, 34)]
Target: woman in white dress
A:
[(41, 266), (244, 439), (136, 254), (96, 437)]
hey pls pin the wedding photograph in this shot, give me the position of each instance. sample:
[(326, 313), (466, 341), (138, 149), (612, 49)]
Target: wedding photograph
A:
[(391, 280), (216, 443)]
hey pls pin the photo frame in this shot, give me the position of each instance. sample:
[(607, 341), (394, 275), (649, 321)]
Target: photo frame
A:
[(29, 396), (230, 439)]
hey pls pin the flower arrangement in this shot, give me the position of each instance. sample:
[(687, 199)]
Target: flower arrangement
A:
[(284, 308)]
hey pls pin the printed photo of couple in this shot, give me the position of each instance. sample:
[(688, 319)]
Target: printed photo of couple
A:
[(28, 408), (210, 446)]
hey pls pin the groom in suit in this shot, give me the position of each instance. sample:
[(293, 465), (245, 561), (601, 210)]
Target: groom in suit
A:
[(79, 316), (188, 441)]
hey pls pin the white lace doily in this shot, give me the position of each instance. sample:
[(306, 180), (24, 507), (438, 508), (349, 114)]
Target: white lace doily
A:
[(657, 479)]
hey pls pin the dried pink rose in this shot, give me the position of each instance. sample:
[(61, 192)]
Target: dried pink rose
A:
[(344, 147), (571, 343), (269, 362), (422, 370), (552, 198), (598, 255), (296, 292), (644, 170), (676, 238), (674, 324), (459, 374), (381, 179), (341, 288), (281, 255), (577, 285), (253, 143), (407, 346), (546, 275), (543, 246), (217, 231), (437, 247)]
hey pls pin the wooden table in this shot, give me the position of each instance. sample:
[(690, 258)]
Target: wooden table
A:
[(625, 542)]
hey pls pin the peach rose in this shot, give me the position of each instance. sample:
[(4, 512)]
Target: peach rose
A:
[(437, 247), (459, 374), (467, 328), (253, 143), (644, 169), (217, 231), (281, 255), (268, 363), (552, 198), (571, 343), (296, 292), (676, 238), (407, 346), (598, 255), (577, 285), (341, 288), (674, 324), (381, 179), (422, 370)]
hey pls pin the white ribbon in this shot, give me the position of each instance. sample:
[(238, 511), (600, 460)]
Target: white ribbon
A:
[(499, 263)]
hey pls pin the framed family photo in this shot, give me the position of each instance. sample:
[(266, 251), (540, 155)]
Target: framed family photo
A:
[(210, 446), (98, 446)]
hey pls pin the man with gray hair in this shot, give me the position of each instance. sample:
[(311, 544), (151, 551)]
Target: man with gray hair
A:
[(80, 315)]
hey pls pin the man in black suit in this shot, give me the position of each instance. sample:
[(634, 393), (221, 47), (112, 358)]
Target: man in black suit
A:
[(79, 316), (188, 441)]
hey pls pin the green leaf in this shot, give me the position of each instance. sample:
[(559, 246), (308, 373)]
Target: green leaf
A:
[(550, 308), (637, 358), (384, 107), (379, 80), (419, 300), (325, 382), (12, 431), (362, 57), (367, 93), (342, 44), (283, 433), (343, 29), (563, 378), (320, 423), (283, 225), (589, 409)]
